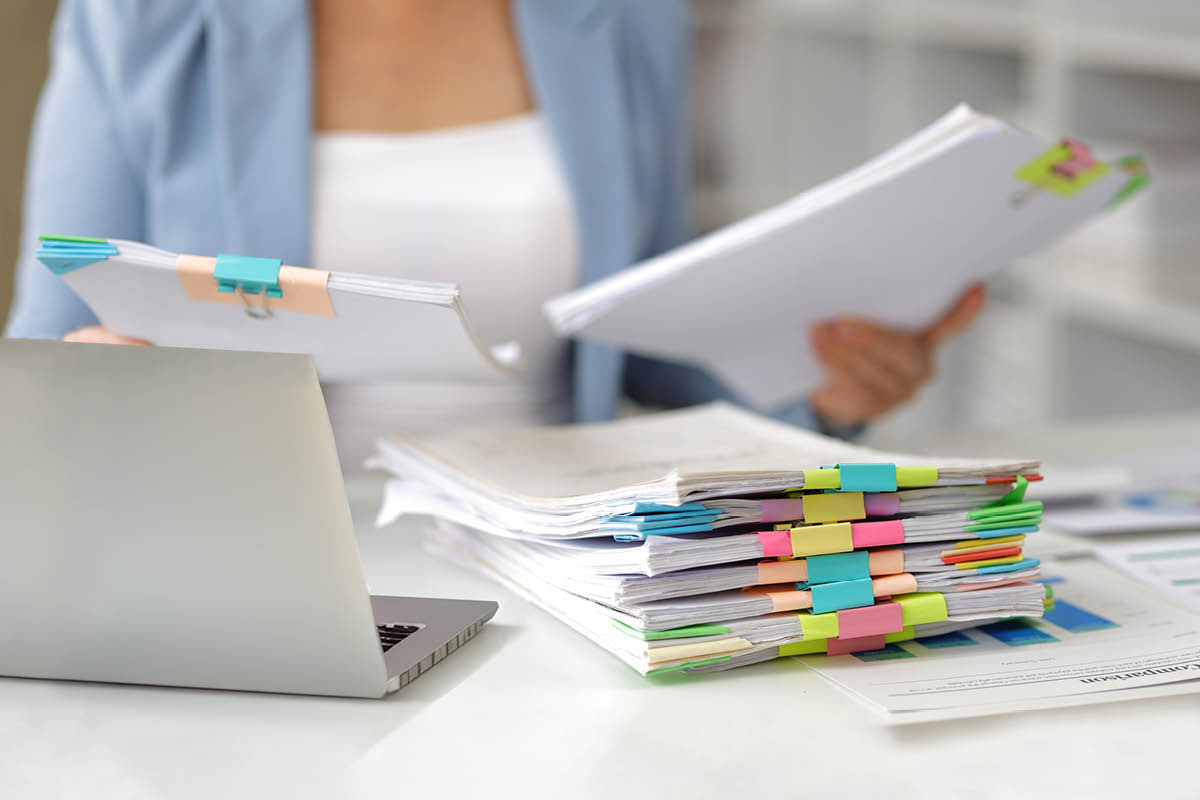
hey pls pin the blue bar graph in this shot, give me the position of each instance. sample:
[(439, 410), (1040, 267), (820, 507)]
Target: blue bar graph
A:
[(1074, 619), (885, 653), (952, 639), (1017, 632)]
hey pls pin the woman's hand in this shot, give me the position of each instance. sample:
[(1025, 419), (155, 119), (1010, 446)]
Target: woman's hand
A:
[(96, 334), (873, 369)]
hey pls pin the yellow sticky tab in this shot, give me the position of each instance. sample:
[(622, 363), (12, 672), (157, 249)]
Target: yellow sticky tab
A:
[(910, 477), (819, 626), (804, 648), (988, 562), (833, 507), (783, 526), (822, 479), (817, 540), (921, 607), (988, 543), (902, 635), (1040, 172)]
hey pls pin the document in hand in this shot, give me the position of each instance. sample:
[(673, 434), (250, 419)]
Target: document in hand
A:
[(355, 326), (894, 241), (712, 537)]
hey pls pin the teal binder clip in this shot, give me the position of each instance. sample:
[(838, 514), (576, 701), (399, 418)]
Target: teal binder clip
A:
[(61, 254), (248, 275), (843, 594), (833, 567), (868, 477)]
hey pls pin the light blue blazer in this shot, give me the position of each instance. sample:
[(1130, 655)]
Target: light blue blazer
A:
[(187, 124)]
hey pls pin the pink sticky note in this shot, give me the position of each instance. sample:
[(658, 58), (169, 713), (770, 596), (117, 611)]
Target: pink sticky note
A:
[(877, 619), (881, 504), (782, 510), (1081, 160), (776, 543), (875, 534), (841, 646)]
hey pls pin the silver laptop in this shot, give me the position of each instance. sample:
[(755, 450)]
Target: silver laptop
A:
[(178, 517)]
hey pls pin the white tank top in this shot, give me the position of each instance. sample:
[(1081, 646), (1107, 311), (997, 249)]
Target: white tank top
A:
[(484, 206)]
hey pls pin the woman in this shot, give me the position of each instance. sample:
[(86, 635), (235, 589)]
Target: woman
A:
[(516, 148)]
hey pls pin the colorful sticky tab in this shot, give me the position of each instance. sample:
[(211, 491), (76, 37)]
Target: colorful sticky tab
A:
[(922, 607), (805, 648), (1002, 533), (782, 510), (822, 479), (1016, 566), (833, 507), (674, 633), (869, 621), (882, 504), (884, 562), (1139, 178), (61, 254), (786, 599), (1015, 496), (1063, 169), (815, 540), (980, 555), (877, 533), (902, 635), (843, 594), (818, 626), (776, 543), (890, 585), (868, 477), (858, 644), (782, 571), (988, 562), (833, 567), (914, 477)]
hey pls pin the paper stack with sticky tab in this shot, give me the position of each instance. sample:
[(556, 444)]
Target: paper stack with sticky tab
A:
[(712, 537)]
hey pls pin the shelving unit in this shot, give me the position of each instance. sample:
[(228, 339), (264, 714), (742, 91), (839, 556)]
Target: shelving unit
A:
[(792, 92)]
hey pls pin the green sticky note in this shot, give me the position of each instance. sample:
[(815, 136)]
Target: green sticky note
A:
[(82, 239), (804, 648), (818, 626), (822, 479), (902, 635), (919, 608), (1039, 172), (674, 667), (674, 633), (1015, 496), (1010, 512)]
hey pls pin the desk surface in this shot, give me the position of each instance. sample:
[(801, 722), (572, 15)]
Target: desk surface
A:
[(532, 709)]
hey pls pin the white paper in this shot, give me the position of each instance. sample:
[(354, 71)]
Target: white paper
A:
[(895, 241), (1146, 642), (1170, 564)]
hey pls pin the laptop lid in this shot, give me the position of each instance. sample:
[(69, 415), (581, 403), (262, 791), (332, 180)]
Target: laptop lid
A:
[(178, 517)]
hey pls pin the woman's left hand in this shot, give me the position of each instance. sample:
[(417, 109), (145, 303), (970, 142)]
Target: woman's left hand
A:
[(873, 369)]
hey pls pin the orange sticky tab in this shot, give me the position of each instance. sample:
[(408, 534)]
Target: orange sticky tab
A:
[(782, 571), (305, 291), (885, 562), (789, 599), (888, 585)]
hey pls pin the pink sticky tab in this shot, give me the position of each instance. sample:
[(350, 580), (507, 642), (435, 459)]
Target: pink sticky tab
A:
[(879, 619), (881, 504), (776, 543), (840, 646), (783, 510), (782, 571), (874, 534)]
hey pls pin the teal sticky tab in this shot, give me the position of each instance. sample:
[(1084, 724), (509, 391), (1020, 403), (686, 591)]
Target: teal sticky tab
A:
[(834, 567), (868, 477), (61, 254), (654, 508), (1015, 496), (1025, 563), (251, 275), (843, 594), (997, 533)]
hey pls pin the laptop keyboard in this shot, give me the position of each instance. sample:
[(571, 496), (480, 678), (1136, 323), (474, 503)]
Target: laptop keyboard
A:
[(392, 635)]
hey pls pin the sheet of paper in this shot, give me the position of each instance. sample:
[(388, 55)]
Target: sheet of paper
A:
[(894, 241), (1104, 635), (1170, 564)]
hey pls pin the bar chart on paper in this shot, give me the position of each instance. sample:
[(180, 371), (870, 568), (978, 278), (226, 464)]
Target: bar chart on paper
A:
[(1101, 632), (1168, 563)]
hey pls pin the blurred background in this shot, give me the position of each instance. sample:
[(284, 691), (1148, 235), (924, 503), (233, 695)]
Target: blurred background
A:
[(792, 92)]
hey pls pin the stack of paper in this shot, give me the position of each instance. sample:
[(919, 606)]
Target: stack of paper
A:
[(713, 537)]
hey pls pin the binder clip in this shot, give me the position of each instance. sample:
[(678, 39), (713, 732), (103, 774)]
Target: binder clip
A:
[(1062, 170), (244, 275)]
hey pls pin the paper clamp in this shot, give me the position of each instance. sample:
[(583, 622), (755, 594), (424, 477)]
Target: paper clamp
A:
[(1062, 170), (261, 286)]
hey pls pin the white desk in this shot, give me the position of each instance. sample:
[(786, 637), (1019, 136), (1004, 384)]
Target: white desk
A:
[(531, 709)]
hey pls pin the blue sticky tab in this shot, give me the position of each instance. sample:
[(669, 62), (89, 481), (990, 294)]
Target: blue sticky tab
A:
[(1017, 566), (843, 594), (251, 275), (654, 508), (868, 477), (833, 567), (64, 255), (999, 532)]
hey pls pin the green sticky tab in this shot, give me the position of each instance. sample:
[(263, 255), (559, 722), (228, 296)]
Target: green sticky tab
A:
[(674, 667), (1015, 496), (81, 239), (989, 513), (822, 479), (1139, 178), (805, 648), (674, 633), (919, 608), (818, 626), (913, 477), (1040, 172), (902, 635)]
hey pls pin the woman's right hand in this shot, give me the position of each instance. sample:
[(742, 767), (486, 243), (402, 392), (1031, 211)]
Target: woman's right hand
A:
[(97, 334)]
